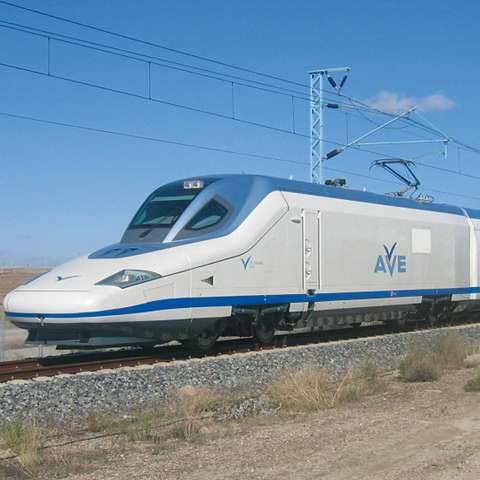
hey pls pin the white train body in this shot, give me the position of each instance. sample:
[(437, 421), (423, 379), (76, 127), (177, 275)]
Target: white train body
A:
[(223, 254)]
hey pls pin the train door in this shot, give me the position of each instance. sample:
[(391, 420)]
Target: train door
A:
[(311, 249)]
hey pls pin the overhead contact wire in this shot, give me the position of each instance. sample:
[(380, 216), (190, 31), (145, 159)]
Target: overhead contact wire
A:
[(151, 139)]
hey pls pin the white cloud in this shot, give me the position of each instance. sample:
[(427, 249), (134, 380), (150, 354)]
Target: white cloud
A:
[(393, 103), (438, 101)]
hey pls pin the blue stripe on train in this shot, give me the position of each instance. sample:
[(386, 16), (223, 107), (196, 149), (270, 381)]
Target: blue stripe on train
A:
[(204, 302)]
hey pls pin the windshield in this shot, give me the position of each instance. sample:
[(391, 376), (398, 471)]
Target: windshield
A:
[(173, 212), (163, 208)]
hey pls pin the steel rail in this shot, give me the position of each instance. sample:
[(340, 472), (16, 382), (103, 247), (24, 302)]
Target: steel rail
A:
[(95, 361)]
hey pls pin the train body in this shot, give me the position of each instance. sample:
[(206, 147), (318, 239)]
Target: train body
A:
[(247, 254)]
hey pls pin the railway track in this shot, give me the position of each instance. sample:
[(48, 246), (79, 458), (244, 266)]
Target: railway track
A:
[(95, 361)]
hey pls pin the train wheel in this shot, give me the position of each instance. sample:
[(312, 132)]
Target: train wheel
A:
[(205, 339), (263, 331), (400, 323), (433, 321)]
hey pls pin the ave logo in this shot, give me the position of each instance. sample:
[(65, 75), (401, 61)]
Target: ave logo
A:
[(391, 263)]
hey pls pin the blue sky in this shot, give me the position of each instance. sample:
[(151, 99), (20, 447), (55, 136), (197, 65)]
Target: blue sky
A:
[(67, 191)]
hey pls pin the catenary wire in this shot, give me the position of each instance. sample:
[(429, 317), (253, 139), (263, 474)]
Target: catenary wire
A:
[(186, 107), (189, 108), (368, 108), (215, 75), (215, 149), (130, 54), (198, 57), (146, 58), (182, 144), (151, 44), (156, 100), (196, 110), (150, 139)]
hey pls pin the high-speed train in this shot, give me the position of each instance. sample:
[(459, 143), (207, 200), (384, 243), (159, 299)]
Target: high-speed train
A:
[(248, 255)]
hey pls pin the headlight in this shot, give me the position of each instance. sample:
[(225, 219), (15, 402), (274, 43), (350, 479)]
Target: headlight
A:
[(128, 278)]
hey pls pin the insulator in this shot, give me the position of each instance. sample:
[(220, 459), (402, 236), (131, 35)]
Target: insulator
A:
[(333, 153), (332, 105), (332, 81), (344, 80)]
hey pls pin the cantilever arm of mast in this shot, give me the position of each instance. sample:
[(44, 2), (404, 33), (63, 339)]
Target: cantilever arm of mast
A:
[(403, 142), (355, 142)]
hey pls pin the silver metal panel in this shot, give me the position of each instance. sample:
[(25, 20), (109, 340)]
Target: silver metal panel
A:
[(311, 250)]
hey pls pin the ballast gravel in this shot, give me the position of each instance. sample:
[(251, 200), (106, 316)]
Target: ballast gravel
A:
[(62, 398)]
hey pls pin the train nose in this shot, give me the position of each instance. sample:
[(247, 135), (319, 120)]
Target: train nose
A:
[(40, 307)]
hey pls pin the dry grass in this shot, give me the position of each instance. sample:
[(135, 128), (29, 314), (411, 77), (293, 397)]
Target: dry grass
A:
[(55, 463), (419, 367), (136, 425), (100, 423), (147, 423), (473, 385), (426, 364), (311, 388), (449, 350), (25, 440), (182, 418), (190, 406), (62, 464), (196, 413)]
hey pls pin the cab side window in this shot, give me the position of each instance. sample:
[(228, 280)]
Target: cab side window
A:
[(212, 216), (208, 216)]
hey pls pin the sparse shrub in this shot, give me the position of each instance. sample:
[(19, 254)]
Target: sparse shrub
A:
[(188, 430), (26, 440), (369, 370), (98, 423), (349, 394), (307, 389), (404, 365), (473, 385), (190, 404), (419, 365), (470, 362), (311, 389), (140, 423), (422, 370), (195, 400), (152, 417), (368, 379), (422, 364), (62, 464), (449, 350)]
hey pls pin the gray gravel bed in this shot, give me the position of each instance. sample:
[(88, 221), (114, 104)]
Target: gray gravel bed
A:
[(74, 397)]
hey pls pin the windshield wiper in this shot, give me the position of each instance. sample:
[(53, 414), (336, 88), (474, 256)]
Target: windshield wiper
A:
[(146, 232), (174, 214)]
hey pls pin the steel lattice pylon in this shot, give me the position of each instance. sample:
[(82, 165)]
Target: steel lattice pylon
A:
[(316, 127), (316, 119)]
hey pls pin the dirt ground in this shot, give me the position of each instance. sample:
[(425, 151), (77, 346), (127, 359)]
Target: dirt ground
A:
[(409, 430)]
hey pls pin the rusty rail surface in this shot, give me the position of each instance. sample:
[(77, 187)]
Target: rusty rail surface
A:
[(94, 361)]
